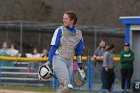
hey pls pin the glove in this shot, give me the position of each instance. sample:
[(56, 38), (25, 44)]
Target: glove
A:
[(81, 71), (82, 74)]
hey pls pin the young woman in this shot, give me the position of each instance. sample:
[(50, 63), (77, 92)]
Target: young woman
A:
[(66, 42), (108, 67)]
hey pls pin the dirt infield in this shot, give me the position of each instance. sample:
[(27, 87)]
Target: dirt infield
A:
[(18, 91)]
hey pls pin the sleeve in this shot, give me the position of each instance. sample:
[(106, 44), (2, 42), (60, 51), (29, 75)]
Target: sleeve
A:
[(56, 37), (105, 60), (96, 52), (131, 59), (55, 43), (52, 52), (121, 57), (128, 59), (80, 47)]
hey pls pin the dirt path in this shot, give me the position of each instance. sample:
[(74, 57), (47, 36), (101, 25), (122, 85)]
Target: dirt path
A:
[(14, 91)]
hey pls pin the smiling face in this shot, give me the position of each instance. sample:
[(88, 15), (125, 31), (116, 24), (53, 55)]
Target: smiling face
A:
[(67, 21)]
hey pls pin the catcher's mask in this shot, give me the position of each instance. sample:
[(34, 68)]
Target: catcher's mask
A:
[(45, 73), (79, 78)]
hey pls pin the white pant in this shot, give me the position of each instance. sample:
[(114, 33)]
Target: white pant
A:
[(63, 69)]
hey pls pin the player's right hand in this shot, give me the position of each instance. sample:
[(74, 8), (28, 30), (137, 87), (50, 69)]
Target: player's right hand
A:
[(80, 65), (106, 69), (48, 63)]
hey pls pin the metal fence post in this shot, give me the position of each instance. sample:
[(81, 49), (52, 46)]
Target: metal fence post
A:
[(54, 83), (90, 73), (95, 37), (21, 35), (0, 70)]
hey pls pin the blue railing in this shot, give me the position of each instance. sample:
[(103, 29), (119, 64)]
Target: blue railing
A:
[(93, 82)]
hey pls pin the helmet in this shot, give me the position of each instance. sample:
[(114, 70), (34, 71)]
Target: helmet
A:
[(44, 72)]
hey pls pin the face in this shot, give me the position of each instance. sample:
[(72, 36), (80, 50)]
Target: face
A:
[(67, 21), (4, 45), (12, 46), (126, 48), (112, 50), (35, 51), (45, 51), (102, 44)]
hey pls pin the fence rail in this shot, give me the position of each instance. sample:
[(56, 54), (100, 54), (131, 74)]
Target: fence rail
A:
[(43, 59), (19, 75)]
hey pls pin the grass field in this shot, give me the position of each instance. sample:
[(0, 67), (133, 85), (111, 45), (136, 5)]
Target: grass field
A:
[(27, 88), (34, 89)]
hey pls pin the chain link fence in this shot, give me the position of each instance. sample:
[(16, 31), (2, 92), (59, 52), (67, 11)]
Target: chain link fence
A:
[(28, 35)]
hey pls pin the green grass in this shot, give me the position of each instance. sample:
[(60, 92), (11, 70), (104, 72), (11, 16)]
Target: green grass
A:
[(36, 89), (27, 88)]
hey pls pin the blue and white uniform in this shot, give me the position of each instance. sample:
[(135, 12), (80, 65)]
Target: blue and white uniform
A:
[(56, 41), (62, 67)]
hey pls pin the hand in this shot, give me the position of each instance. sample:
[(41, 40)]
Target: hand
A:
[(99, 58), (95, 61), (106, 69), (122, 62), (48, 63), (80, 65), (116, 69)]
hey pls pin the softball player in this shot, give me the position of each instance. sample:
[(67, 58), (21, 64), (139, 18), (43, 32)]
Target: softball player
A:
[(66, 42)]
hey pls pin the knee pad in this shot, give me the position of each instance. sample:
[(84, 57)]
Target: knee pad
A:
[(65, 88), (70, 86)]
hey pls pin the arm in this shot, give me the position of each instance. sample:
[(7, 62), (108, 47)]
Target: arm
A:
[(131, 59), (126, 59), (78, 52), (99, 58), (54, 44), (105, 61), (51, 53), (122, 58), (96, 56)]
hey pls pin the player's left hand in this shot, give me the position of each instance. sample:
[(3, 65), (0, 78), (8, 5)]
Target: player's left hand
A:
[(80, 65), (81, 71)]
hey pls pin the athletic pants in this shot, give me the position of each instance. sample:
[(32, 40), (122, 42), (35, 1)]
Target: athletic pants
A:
[(109, 77), (63, 69), (126, 74)]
